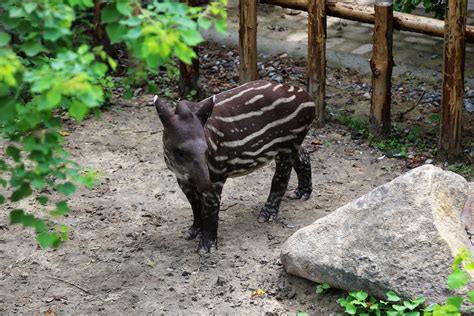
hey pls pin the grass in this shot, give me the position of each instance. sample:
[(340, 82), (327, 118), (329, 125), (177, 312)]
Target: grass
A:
[(462, 169), (398, 144)]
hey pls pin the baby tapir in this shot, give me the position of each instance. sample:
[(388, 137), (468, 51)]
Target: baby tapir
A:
[(232, 134)]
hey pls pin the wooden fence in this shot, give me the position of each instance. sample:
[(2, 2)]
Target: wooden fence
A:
[(453, 29)]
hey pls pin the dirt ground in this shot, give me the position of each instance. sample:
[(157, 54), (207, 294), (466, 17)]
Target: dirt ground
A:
[(127, 253)]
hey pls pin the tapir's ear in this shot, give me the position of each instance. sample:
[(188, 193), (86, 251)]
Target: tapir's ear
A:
[(163, 111), (206, 109)]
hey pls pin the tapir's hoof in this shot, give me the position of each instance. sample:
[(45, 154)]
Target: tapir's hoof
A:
[(193, 233), (300, 194), (206, 246), (266, 215)]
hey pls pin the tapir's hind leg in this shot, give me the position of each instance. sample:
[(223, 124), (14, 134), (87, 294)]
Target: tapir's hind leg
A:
[(194, 199), (302, 166), (284, 163)]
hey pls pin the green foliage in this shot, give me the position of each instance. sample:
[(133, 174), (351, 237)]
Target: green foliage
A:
[(358, 126), (321, 288), (49, 70), (458, 279), (435, 6), (401, 141), (360, 303), (463, 169)]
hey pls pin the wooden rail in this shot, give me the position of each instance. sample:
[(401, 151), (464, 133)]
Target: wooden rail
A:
[(364, 14)]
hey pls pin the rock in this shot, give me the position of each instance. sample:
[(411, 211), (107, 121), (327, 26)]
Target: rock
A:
[(277, 78), (221, 280), (402, 236), (467, 216), (469, 105)]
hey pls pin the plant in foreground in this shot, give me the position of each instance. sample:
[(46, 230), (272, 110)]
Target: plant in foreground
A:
[(360, 303)]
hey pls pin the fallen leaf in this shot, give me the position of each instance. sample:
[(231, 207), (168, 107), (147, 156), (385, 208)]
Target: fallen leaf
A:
[(258, 292), (49, 312), (64, 133)]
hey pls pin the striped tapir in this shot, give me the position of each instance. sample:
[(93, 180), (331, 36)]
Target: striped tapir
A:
[(232, 134)]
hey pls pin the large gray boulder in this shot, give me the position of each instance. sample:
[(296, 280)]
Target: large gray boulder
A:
[(402, 236)]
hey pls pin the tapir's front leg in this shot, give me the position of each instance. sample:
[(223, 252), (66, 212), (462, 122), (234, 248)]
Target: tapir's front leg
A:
[(194, 198), (210, 218)]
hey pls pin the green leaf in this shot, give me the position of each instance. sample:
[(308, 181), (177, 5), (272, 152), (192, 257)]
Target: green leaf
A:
[(410, 305), (22, 192), (418, 300), (359, 295), (16, 216), (470, 296), (53, 97), (115, 32), (152, 88), (415, 313), (204, 23), (191, 37), (184, 53), (89, 179), (123, 6), (61, 209), (63, 230), (78, 110), (221, 26), (109, 14), (43, 200), (47, 240), (66, 188), (321, 288), (4, 39), (2, 199), (30, 7), (392, 297), (127, 95), (399, 308), (99, 69), (455, 301), (350, 309), (13, 152), (457, 279), (32, 47), (430, 307)]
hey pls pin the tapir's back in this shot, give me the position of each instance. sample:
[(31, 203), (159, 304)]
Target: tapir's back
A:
[(251, 124)]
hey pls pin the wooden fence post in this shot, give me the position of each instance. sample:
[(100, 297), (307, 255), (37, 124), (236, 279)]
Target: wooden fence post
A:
[(449, 146), (189, 74), (381, 65), (248, 40), (317, 57)]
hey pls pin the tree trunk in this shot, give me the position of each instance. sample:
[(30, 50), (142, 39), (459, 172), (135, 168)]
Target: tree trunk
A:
[(248, 40), (317, 57), (189, 77), (98, 29), (381, 65), (453, 80), (401, 21)]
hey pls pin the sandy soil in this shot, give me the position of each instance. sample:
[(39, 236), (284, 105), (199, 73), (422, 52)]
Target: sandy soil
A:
[(127, 253)]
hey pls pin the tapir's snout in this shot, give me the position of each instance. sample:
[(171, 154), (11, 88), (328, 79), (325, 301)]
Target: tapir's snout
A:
[(201, 179), (203, 184)]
